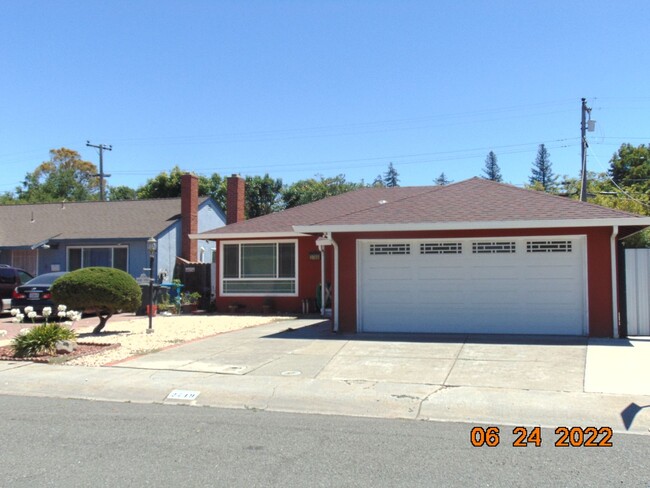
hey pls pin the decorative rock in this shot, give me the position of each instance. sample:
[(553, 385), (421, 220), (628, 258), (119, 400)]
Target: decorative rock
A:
[(65, 347)]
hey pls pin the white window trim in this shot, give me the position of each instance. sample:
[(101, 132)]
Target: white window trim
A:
[(257, 241), (68, 248)]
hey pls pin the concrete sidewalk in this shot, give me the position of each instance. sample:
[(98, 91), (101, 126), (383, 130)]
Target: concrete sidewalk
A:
[(300, 366)]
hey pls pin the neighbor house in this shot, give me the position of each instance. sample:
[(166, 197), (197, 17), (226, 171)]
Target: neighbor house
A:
[(65, 236), (470, 257)]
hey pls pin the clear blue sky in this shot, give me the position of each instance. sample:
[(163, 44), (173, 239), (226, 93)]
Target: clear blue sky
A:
[(298, 88)]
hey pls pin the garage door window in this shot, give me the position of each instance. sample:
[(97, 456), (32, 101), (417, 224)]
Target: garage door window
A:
[(493, 247), (260, 268), (441, 248), (389, 249), (548, 246)]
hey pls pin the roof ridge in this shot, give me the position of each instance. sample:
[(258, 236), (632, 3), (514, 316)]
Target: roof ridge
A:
[(73, 202), (425, 189), (554, 195)]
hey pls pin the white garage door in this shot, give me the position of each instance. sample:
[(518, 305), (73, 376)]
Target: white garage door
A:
[(533, 285)]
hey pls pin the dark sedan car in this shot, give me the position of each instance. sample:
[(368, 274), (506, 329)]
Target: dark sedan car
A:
[(36, 293)]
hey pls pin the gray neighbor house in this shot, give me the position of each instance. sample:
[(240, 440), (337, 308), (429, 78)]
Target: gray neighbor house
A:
[(64, 236)]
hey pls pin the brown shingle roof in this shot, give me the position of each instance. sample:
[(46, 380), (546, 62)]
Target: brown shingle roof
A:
[(30, 224), (471, 201)]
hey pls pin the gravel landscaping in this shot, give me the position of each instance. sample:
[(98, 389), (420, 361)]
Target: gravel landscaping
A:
[(131, 334)]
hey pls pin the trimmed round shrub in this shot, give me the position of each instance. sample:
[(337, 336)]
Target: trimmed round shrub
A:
[(41, 339), (101, 290)]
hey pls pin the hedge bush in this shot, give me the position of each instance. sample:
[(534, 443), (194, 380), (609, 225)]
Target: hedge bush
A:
[(97, 289)]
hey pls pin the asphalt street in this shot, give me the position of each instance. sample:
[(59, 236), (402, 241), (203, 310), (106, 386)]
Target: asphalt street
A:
[(62, 443)]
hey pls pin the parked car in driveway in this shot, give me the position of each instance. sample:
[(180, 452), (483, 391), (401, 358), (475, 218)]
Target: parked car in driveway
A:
[(10, 278), (36, 293)]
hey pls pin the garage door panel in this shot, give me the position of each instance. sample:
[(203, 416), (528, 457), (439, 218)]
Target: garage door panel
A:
[(390, 273), (517, 291)]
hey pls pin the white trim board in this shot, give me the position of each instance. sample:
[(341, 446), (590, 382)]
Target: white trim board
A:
[(510, 224)]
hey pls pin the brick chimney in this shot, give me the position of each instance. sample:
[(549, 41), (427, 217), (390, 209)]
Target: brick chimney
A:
[(189, 215), (235, 199)]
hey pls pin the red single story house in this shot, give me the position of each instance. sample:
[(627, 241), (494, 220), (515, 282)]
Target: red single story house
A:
[(470, 257)]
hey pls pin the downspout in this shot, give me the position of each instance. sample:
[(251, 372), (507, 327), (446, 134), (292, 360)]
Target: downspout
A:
[(614, 283), (335, 302), (322, 281)]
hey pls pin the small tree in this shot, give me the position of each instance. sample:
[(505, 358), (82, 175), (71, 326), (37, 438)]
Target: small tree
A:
[(442, 180), (391, 176), (492, 170), (102, 290), (378, 182), (542, 172)]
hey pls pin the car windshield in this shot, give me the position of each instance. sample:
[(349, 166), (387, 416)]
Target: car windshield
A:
[(44, 279)]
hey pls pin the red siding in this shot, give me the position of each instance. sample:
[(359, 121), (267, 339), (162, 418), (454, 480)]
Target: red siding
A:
[(599, 282), (599, 291), (308, 279)]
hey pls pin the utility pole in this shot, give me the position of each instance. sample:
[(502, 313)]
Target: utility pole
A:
[(101, 174), (583, 138)]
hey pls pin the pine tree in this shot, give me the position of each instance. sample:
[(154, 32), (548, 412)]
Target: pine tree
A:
[(492, 170), (390, 176), (442, 180), (542, 171)]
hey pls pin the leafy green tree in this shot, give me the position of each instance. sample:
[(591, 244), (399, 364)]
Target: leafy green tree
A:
[(492, 170), (442, 180), (103, 290), (7, 198), (262, 192), (163, 185), (391, 176), (121, 192), (542, 171), (262, 195), (168, 185), (602, 191), (215, 187), (65, 176), (313, 189), (630, 166)]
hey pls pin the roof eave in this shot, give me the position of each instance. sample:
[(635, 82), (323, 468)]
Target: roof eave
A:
[(512, 224), (244, 235)]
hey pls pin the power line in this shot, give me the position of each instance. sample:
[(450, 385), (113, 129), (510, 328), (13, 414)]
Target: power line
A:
[(452, 155), (101, 174), (643, 204)]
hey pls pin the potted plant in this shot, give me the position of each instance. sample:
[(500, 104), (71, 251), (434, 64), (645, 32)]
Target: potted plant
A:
[(189, 301)]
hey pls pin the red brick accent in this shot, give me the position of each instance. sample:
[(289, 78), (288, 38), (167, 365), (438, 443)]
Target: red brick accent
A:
[(189, 215), (236, 199)]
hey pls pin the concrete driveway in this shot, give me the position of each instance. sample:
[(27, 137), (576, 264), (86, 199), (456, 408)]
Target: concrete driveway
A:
[(307, 349), (300, 366)]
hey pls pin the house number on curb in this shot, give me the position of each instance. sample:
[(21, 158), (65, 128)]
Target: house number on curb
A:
[(183, 395)]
